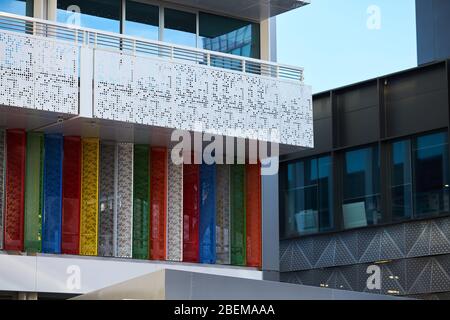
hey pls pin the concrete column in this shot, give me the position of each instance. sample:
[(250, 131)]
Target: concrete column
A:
[(51, 10), (39, 9), (268, 40)]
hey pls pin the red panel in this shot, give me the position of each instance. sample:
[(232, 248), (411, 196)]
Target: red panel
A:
[(191, 212), (15, 189), (71, 196), (253, 211), (158, 202)]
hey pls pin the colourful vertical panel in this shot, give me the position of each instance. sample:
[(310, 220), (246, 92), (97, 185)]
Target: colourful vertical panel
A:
[(52, 194), (191, 212), (175, 212), (15, 189), (70, 243), (158, 197), (33, 192), (223, 214), (107, 201), (89, 197), (253, 215), (2, 183), (125, 200), (238, 223), (141, 207), (207, 228)]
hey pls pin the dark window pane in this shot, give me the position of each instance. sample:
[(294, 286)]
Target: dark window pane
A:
[(229, 35), (96, 14), (180, 27), (431, 169), (401, 181), (20, 7), (326, 221), (142, 20), (361, 196)]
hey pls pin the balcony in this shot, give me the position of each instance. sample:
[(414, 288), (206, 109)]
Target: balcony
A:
[(78, 81)]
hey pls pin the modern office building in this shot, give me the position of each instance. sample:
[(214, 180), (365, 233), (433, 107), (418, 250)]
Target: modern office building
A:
[(368, 208), (90, 94)]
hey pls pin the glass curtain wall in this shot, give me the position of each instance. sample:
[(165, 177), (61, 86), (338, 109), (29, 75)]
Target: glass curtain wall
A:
[(20, 7), (180, 27), (142, 20)]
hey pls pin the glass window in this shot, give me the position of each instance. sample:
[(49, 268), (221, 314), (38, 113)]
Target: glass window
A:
[(229, 35), (431, 174), (20, 7), (361, 196), (401, 180), (96, 14), (142, 20), (180, 27), (308, 197)]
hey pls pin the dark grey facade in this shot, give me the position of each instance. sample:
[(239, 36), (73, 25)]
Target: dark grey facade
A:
[(433, 24), (400, 221)]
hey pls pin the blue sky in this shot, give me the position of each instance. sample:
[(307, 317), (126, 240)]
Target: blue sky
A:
[(332, 41)]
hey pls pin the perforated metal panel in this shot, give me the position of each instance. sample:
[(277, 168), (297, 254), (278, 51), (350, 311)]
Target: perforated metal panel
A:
[(125, 200), (191, 212), (52, 198), (223, 214), (107, 200), (174, 211), (38, 73), (89, 197), (15, 189), (158, 202), (141, 196), (253, 215), (70, 243), (168, 94), (238, 224), (2, 183), (207, 228), (33, 192)]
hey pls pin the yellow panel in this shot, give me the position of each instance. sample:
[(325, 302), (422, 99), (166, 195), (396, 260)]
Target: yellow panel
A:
[(89, 198)]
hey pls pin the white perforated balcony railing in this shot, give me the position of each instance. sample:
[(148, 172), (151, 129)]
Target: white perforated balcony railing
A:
[(133, 45)]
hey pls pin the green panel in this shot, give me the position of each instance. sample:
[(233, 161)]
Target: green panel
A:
[(33, 192), (141, 195), (238, 226)]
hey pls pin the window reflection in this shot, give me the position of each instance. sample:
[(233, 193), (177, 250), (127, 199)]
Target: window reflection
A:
[(96, 14), (361, 197), (142, 20), (431, 174), (401, 180), (180, 27), (20, 7), (308, 197), (229, 35)]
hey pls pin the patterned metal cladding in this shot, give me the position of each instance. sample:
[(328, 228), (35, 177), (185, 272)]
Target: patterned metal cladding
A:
[(253, 215), (44, 75), (70, 243), (406, 240), (15, 189), (191, 212), (89, 197), (174, 211), (107, 200), (404, 277), (52, 195), (238, 215), (141, 203), (158, 203), (207, 228), (2, 183), (223, 214), (125, 200), (168, 94), (33, 192)]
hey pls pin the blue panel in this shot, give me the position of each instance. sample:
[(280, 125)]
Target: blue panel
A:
[(52, 208), (207, 214)]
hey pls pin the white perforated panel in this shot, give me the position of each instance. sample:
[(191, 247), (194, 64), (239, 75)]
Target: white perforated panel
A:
[(38, 73), (169, 94)]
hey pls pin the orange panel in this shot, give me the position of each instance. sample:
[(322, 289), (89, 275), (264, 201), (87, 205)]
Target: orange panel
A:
[(253, 212)]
